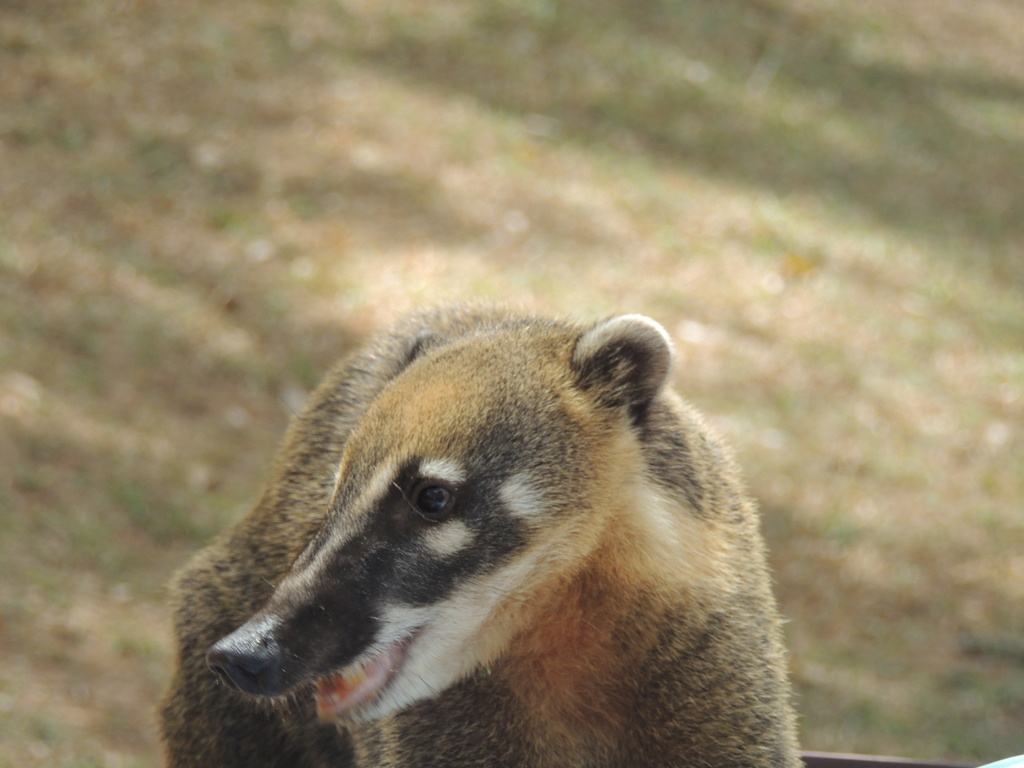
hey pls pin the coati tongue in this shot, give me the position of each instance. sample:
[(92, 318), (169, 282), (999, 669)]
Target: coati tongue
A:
[(341, 691)]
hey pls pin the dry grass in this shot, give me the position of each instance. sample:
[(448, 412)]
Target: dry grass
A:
[(203, 204)]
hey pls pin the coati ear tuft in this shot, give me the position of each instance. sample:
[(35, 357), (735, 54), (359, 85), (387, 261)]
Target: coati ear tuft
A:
[(419, 344), (624, 361), (403, 352)]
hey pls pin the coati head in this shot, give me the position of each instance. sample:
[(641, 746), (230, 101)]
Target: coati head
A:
[(484, 473)]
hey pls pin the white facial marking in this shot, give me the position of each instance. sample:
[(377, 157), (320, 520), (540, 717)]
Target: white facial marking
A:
[(448, 537), (377, 486), (401, 621), (523, 498), (443, 469), (305, 576), (442, 652)]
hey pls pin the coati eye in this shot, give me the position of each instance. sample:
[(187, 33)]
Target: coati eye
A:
[(433, 501)]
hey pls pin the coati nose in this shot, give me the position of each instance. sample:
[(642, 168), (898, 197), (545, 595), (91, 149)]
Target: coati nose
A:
[(248, 659)]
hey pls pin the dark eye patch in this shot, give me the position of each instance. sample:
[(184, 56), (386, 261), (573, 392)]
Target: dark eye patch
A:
[(400, 570)]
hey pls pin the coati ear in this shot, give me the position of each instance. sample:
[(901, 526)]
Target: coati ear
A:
[(625, 361)]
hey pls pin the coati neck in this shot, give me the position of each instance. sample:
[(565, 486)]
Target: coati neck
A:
[(570, 670)]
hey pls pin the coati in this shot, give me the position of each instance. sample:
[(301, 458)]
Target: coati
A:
[(489, 540)]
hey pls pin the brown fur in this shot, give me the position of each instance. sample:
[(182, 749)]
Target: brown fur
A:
[(646, 633)]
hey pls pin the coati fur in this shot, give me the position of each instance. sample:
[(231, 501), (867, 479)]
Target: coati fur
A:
[(489, 540)]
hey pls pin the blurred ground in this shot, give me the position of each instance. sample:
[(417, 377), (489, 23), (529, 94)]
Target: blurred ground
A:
[(203, 204)]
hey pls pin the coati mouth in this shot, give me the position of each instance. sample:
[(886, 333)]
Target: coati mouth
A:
[(341, 692)]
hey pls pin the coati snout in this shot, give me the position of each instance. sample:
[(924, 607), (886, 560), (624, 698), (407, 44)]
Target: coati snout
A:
[(250, 660)]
